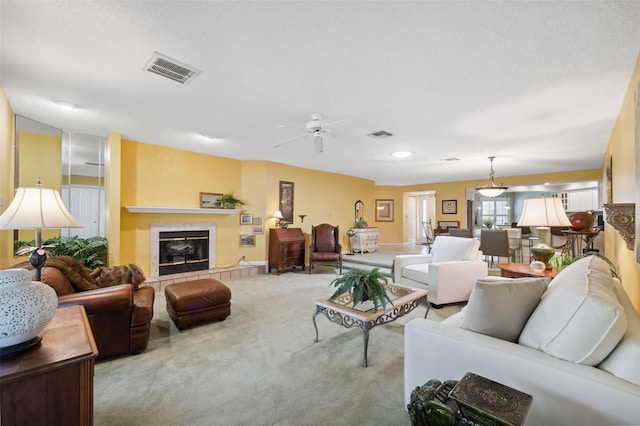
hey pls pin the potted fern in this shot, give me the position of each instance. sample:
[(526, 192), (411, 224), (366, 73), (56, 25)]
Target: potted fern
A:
[(363, 286), (228, 201)]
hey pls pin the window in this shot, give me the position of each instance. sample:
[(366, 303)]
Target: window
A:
[(495, 212)]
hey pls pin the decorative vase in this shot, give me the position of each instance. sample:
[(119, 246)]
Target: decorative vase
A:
[(26, 307), (542, 252), (581, 221)]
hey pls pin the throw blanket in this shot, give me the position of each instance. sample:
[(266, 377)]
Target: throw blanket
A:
[(83, 278)]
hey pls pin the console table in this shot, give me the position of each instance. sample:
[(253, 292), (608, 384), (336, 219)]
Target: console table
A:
[(286, 248), (52, 383), (365, 240)]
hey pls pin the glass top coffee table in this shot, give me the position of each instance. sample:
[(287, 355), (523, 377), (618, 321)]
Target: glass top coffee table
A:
[(363, 315)]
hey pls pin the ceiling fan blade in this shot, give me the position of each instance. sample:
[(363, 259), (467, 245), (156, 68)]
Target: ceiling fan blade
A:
[(289, 140), (335, 122)]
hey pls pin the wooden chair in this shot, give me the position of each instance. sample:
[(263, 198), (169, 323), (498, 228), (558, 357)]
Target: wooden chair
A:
[(325, 248)]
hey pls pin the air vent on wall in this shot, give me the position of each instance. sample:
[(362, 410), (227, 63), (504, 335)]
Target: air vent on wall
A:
[(170, 68), (380, 134)]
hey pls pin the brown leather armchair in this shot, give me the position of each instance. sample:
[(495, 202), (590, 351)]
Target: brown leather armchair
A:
[(120, 316), (325, 246)]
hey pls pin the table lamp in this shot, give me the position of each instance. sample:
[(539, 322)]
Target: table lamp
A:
[(277, 215), (543, 213), (26, 306)]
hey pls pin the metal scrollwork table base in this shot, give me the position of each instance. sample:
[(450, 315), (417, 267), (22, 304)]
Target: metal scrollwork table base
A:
[(363, 316)]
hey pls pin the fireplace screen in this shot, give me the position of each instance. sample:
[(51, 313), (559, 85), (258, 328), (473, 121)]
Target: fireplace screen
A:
[(183, 251)]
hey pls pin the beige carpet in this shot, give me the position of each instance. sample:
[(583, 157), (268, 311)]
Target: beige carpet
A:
[(260, 366)]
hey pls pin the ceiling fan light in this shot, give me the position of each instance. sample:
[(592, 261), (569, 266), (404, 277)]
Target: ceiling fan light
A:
[(491, 189), (402, 154)]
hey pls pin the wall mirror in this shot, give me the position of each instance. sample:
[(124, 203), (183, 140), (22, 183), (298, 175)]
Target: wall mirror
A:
[(359, 210), (72, 163)]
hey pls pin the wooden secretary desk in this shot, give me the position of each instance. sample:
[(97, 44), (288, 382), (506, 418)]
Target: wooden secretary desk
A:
[(52, 383), (286, 248)]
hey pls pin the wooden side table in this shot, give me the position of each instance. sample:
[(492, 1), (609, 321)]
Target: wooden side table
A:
[(522, 270), (52, 383)]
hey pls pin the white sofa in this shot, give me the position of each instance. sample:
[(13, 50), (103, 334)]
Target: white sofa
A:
[(449, 272), (580, 384)]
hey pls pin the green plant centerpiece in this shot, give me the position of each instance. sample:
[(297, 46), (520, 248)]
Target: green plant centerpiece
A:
[(363, 286), (228, 201), (563, 260), (361, 223)]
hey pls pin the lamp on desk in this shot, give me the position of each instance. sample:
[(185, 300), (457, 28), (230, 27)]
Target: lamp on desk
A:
[(278, 217), (543, 213), (27, 307)]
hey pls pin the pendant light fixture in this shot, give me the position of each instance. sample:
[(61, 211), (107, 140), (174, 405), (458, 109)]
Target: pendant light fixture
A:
[(491, 189)]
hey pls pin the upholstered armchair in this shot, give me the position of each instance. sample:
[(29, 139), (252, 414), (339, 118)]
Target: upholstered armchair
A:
[(120, 315), (449, 272), (325, 248)]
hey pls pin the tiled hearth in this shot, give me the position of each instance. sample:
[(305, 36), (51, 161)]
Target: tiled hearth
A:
[(222, 274)]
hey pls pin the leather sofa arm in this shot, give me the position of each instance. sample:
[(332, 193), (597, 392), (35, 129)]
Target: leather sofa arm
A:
[(109, 299), (142, 312)]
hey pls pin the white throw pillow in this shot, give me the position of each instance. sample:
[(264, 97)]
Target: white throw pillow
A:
[(624, 360), (579, 318), (501, 308), (451, 249)]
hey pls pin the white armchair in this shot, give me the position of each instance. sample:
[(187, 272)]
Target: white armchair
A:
[(449, 272)]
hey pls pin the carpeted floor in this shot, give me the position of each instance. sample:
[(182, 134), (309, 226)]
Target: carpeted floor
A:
[(260, 366)]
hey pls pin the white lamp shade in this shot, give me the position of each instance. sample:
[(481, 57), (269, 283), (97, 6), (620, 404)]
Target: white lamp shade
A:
[(543, 212), (37, 208), (278, 215)]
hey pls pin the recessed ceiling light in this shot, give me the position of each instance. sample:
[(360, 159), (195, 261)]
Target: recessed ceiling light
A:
[(210, 138), (66, 104), (402, 154)]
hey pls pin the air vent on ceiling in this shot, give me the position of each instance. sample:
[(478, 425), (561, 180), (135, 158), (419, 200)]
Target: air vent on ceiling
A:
[(170, 68), (450, 159), (380, 134)]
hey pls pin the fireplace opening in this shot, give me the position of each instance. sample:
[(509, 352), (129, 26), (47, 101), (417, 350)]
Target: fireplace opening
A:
[(183, 251)]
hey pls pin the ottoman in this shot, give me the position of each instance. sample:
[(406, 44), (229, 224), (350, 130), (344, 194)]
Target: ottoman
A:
[(195, 302)]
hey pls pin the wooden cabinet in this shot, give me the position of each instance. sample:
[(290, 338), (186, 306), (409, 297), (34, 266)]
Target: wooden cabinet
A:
[(52, 383), (365, 240), (286, 248)]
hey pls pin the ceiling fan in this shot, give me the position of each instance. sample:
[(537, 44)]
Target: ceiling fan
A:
[(316, 128)]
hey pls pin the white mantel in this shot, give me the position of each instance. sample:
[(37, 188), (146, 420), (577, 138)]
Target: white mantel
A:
[(179, 210)]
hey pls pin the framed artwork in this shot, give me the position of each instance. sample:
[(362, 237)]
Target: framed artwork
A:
[(208, 200), (257, 221), (286, 200), (246, 219), (449, 206), (247, 240), (258, 230), (384, 210)]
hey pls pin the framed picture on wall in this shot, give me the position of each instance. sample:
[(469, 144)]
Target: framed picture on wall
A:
[(384, 210), (449, 206), (247, 240), (246, 219), (208, 200), (257, 221), (286, 200), (258, 230)]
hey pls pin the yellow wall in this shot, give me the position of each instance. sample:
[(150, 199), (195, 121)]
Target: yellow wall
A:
[(625, 188), (156, 176), (394, 232), (7, 148)]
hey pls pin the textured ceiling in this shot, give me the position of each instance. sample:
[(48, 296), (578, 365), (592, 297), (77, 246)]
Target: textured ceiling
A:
[(537, 84)]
